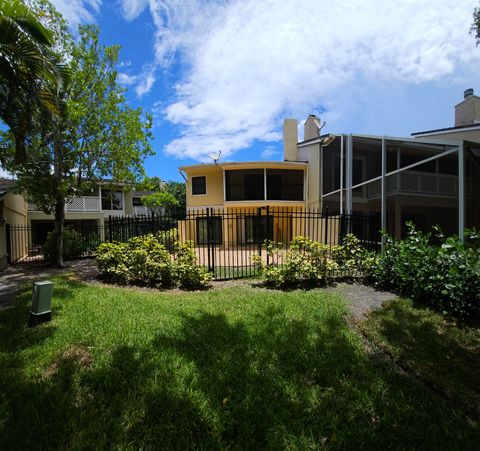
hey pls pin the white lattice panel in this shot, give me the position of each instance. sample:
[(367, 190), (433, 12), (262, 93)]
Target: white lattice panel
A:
[(410, 182), (391, 183), (92, 203), (83, 204), (74, 204), (447, 185), (429, 183)]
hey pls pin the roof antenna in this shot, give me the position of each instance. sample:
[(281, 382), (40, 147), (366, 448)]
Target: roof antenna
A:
[(319, 125), (215, 156)]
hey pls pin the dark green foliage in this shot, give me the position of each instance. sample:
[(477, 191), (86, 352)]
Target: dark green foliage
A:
[(146, 260), (443, 272), (352, 258), (74, 245), (304, 262)]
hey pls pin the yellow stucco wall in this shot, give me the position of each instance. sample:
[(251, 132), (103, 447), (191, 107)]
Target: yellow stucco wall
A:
[(14, 210), (214, 174)]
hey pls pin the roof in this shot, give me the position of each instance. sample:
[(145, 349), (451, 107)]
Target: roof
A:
[(5, 184), (232, 164), (459, 128)]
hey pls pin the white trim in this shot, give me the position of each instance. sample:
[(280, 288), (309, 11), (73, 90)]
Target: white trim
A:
[(451, 130), (461, 192), (383, 201)]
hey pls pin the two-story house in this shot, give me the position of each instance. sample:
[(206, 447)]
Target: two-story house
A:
[(430, 178)]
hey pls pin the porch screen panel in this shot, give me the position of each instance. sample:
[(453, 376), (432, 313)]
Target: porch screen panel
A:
[(284, 184), (245, 184)]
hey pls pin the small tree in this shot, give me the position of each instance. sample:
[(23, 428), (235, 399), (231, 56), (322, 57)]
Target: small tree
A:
[(95, 135), (159, 202)]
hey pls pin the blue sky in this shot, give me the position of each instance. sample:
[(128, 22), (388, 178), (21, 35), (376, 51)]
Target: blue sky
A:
[(222, 75)]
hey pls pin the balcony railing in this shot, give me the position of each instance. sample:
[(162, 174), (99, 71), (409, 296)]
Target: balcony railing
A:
[(84, 204), (141, 210), (419, 183)]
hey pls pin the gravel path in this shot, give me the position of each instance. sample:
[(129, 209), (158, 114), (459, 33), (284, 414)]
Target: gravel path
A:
[(362, 298)]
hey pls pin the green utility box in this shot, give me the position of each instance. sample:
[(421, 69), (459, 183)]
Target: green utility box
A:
[(41, 310)]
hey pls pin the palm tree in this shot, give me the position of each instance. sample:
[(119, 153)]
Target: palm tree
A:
[(30, 72)]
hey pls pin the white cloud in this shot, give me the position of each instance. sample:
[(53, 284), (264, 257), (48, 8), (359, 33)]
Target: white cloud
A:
[(78, 11), (147, 78), (131, 9), (126, 79), (270, 152), (248, 64)]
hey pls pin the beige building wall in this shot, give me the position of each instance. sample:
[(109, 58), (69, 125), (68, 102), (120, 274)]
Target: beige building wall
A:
[(14, 209), (467, 112), (214, 186)]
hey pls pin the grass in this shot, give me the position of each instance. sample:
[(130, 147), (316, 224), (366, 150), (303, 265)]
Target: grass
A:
[(436, 350), (236, 368)]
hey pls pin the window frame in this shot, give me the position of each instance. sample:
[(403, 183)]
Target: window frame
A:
[(199, 176)]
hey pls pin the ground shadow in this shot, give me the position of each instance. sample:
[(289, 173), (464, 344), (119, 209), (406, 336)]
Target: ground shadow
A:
[(272, 381)]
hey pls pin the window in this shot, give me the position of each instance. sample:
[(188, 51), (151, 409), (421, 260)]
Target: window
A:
[(209, 228), (199, 185), (136, 201), (258, 229), (112, 200)]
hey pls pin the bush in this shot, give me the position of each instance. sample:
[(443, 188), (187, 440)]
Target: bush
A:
[(72, 245), (305, 262), (146, 261), (352, 257), (442, 272), (187, 273)]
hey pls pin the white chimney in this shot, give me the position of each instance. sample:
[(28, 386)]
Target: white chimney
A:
[(290, 139)]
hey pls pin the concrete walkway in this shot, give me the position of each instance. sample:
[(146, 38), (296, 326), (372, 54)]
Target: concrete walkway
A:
[(15, 277)]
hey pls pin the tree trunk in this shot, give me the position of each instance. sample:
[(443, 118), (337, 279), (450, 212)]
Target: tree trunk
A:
[(59, 197), (59, 228)]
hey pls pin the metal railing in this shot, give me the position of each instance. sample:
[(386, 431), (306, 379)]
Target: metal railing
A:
[(225, 240)]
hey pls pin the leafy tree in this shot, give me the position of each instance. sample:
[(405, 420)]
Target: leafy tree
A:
[(176, 189), (179, 191), (161, 200), (30, 72), (475, 28), (95, 135)]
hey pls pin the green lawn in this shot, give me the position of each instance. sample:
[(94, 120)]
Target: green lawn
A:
[(237, 368)]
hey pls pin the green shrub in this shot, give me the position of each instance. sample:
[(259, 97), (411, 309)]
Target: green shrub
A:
[(442, 272), (352, 257), (146, 261), (72, 245), (169, 238), (187, 273), (305, 262)]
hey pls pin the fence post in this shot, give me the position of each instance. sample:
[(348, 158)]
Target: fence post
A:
[(268, 234), (110, 228), (208, 241), (326, 225), (212, 237), (259, 230), (9, 244)]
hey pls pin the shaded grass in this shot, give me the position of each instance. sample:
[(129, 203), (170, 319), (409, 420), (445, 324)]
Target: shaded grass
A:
[(229, 368), (435, 349)]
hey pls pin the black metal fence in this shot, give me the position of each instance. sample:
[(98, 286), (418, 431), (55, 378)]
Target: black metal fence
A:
[(224, 239), (26, 244)]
